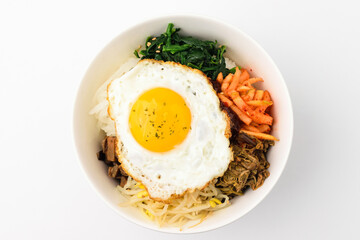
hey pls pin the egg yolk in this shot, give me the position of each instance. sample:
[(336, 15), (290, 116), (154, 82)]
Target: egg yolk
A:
[(160, 119)]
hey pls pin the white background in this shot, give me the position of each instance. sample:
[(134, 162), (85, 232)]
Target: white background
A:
[(45, 49)]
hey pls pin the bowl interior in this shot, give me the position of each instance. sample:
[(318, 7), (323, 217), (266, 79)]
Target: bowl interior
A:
[(241, 49)]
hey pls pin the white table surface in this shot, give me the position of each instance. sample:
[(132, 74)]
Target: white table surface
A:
[(45, 49)]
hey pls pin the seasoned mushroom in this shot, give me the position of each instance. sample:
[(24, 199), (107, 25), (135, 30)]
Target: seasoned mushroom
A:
[(108, 146), (108, 155)]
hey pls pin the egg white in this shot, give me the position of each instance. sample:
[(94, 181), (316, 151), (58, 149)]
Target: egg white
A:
[(201, 157)]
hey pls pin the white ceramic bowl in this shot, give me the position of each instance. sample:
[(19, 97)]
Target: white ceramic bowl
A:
[(240, 48)]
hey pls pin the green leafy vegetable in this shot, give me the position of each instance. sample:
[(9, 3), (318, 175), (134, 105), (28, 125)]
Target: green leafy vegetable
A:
[(206, 56), (136, 54)]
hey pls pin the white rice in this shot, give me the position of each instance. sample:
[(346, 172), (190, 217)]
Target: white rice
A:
[(100, 109)]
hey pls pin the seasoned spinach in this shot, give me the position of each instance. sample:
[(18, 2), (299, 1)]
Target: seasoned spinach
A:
[(206, 56)]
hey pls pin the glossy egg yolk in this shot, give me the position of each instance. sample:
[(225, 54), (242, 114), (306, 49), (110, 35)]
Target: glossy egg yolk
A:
[(160, 119)]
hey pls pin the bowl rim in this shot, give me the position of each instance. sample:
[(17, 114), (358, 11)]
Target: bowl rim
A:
[(148, 20)]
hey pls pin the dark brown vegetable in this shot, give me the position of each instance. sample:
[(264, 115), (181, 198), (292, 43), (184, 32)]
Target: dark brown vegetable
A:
[(108, 146), (249, 168), (101, 156), (108, 156), (123, 181)]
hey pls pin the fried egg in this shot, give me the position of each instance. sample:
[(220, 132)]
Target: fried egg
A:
[(172, 135)]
